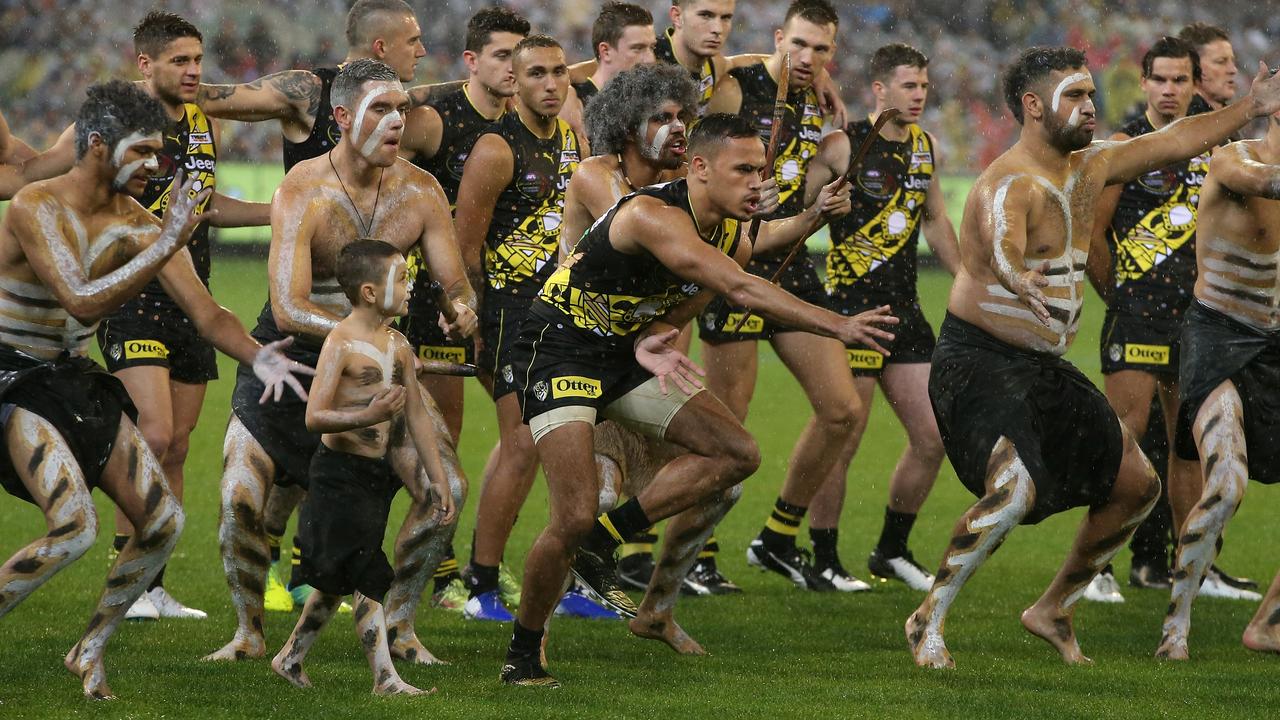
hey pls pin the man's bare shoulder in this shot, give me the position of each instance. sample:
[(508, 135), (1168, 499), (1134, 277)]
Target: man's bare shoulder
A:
[(308, 173), (414, 179), (653, 218)]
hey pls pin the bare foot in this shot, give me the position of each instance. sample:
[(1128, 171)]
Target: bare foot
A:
[(927, 647), (664, 628), (413, 651), (92, 674), (396, 686), (291, 671), (1262, 638), (239, 649), (1056, 629), (1173, 645)]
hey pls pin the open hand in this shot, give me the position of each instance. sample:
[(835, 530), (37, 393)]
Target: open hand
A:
[(769, 198), (864, 329), (656, 354), (385, 405), (1027, 286), (1265, 91), (275, 370), (180, 217)]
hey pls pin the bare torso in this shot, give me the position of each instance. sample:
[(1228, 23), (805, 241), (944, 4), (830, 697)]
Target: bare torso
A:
[(1058, 223), (31, 318), (370, 365), (1238, 248)]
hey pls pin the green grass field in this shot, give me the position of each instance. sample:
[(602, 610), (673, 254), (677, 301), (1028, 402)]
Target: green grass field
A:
[(775, 651)]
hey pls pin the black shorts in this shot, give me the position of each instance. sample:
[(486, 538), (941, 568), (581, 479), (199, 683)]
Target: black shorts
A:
[(558, 365), (431, 343), (718, 318), (913, 340), (1063, 429), (1131, 342), (166, 339), (342, 524), (500, 323), (279, 426), (74, 394), (1217, 348)]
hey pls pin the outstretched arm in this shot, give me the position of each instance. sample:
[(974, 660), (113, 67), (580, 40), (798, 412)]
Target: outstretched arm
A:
[(38, 223), (1191, 135), (1236, 168), (832, 202), (423, 94), (292, 95)]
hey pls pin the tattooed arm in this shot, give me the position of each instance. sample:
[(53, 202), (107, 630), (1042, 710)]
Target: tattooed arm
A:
[(422, 94), (292, 97)]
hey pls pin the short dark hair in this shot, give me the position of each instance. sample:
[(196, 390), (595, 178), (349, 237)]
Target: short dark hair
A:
[(1171, 47), (159, 28), (630, 98), (818, 12), (363, 260), (360, 25), (1034, 65), (115, 109), (718, 127), (1202, 33), (482, 26), (890, 57), (535, 41), (354, 75), (614, 18)]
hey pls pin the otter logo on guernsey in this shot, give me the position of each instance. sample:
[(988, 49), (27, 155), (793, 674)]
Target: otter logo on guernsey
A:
[(753, 325), (1146, 354), (575, 386), (145, 349), (864, 359), (443, 354)]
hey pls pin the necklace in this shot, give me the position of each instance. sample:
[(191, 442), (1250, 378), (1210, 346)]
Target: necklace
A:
[(365, 230), (622, 168)]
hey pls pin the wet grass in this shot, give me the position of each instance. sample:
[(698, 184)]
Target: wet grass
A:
[(775, 651)]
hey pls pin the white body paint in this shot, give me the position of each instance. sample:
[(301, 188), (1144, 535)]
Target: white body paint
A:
[(1248, 290), (374, 90), (1067, 82), (389, 291), (384, 358)]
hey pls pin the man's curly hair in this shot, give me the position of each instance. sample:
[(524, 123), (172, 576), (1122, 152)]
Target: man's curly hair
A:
[(630, 99), (113, 110)]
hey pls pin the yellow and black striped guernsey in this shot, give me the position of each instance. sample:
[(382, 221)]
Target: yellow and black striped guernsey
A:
[(797, 139), (613, 295), (873, 248), (522, 243)]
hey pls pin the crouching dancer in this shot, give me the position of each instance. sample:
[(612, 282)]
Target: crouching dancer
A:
[(598, 342), (1230, 373), (365, 392), (1025, 430), (72, 250)]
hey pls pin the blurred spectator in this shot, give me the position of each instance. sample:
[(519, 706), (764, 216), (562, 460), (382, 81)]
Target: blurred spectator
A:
[(51, 50)]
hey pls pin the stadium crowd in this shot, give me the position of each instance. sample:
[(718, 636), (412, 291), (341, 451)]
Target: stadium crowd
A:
[(45, 44)]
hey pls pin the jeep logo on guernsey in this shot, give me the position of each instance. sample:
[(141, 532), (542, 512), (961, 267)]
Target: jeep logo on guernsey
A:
[(444, 354), (864, 359), (139, 349), (1147, 354), (195, 163), (575, 386)]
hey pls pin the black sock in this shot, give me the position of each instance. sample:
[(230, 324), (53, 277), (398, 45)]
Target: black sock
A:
[(783, 525), (446, 572), (295, 560), (525, 643), (273, 547), (639, 544), (481, 578), (894, 534), (119, 541), (159, 580), (612, 528), (707, 556), (824, 545)]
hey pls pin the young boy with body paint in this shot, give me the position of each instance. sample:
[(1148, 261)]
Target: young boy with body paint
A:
[(364, 395)]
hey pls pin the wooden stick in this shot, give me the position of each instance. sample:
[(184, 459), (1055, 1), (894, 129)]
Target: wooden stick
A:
[(854, 164), (441, 367), (775, 132)]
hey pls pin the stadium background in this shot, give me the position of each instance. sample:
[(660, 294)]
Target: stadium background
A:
[(775, 651)]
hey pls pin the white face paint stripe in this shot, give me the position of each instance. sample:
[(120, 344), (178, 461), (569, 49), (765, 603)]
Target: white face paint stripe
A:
[(379, 132), (1062, 87), (128, 141), (389, 292), (1074, 120), (375, 89), (127, 171)]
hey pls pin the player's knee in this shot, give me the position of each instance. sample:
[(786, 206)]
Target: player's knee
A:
[(741, 456), (575, 525), (158, 436), (80, 533), (178, 448), (838, 418)]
